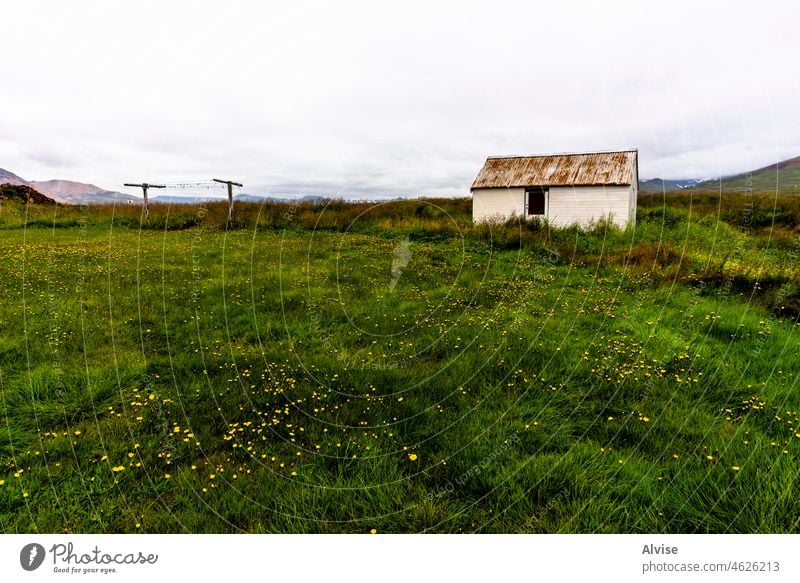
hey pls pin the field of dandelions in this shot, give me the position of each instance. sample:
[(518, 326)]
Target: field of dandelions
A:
[(392, 367)]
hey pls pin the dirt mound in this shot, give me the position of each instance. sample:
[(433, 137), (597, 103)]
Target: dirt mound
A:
[(24, 193)]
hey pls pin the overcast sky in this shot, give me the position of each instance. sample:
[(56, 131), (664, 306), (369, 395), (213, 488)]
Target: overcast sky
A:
[(389, 97)]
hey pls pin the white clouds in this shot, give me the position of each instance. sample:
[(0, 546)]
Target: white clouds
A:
[(401, 98)]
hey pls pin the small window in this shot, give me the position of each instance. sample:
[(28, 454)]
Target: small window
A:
[(536, 201)]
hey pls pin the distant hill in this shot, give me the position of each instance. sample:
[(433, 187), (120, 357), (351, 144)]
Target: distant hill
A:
[(70, 192), (254, 198), (171, 199), (661, 185), (7, 177), (23, 193), (67, 191), (782, 176)]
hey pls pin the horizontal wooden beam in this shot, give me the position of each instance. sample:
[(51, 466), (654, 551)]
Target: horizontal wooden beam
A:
[(145, 184), (227, 182)]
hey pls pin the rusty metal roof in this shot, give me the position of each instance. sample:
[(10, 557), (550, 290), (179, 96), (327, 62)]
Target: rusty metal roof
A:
[(572, 169)]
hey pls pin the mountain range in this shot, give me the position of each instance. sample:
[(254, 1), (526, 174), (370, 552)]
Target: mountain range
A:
[(68, 191), (783, 177)]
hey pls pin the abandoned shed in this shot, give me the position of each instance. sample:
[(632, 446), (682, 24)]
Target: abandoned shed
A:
[(564, 189)]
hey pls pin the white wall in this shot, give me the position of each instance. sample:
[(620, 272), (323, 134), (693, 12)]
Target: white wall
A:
[(497, 203), (585, 204), (634, 194), (566, 204)]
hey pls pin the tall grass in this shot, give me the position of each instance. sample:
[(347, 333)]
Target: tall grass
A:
[(301, 372)]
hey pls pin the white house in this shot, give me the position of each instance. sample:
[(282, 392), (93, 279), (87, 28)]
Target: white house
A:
[(562, 188)]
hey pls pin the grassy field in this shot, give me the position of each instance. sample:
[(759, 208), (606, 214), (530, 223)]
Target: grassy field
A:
[(344, 368)]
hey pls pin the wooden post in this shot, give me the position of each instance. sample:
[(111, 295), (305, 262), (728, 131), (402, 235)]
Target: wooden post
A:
[(230, 184), (230, 203), (144, 186)]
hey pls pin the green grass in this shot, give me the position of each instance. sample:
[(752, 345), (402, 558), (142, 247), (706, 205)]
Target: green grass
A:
[(515, 378)]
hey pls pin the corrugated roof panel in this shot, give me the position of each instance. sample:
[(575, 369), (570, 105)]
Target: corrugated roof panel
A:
[(579, 169)]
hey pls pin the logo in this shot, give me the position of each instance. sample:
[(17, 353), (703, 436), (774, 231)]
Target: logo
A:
[(402, 256), (31, 556)]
